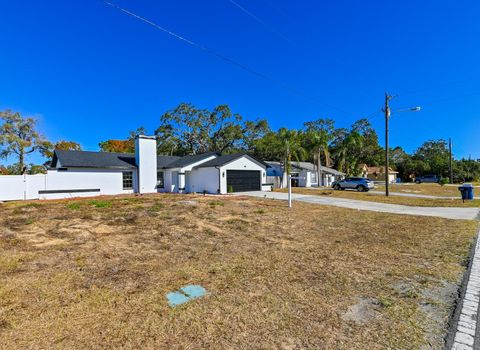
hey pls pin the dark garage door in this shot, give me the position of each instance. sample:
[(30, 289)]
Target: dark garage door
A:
[(243, 180)]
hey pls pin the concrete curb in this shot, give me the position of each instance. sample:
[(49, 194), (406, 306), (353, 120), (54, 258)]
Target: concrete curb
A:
[(464, 333)]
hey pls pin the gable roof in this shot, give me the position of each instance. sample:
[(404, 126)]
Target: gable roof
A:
[(85, 159), (188, 160), (225, 159)]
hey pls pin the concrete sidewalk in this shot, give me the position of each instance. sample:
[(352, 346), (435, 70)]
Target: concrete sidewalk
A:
[(443, 212)]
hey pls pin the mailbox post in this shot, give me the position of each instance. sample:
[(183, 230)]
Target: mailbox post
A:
[(289, 191)]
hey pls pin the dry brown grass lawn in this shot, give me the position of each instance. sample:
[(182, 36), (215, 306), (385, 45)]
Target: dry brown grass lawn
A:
[(93, 274), (430, 189), (373, 197)]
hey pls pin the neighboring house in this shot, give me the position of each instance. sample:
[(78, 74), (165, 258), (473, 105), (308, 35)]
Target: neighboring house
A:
[(377, 173), (305, 172), (80, 173)]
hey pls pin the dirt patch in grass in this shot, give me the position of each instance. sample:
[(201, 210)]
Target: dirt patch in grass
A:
[(317, 277), (372, 197)]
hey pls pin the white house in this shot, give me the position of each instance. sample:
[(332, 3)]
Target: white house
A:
[(305, 172), (80, 173)]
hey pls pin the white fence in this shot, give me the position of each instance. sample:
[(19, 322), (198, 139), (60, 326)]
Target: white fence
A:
[(15, 187), (68, 184)]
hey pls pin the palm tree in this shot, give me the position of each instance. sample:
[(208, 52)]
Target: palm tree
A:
[(345, 152), (291, 147), (319, 134), (318, 143)]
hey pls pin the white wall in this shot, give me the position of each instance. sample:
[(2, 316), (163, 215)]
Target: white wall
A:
[(20, 187), (304, 178), (174, 181), (204, 179), (146, 158), (108, 181), (242, 163)]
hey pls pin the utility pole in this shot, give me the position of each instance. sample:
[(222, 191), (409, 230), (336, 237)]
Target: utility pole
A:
[(451, 159), (387, 166)]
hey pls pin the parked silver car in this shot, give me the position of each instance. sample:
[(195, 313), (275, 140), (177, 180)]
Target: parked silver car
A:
[(360, 184)]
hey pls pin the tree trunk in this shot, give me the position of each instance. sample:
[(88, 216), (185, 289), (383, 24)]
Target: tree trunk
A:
[(21, 161), (319, 167)]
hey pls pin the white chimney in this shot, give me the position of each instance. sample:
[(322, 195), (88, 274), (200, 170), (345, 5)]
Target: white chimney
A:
[(146, 158)]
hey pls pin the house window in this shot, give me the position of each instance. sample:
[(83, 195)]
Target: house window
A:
[(160, 182), (313, 177), (127, 179)]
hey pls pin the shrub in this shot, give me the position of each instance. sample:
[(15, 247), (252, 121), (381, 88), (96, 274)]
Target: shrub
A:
[(73, 206), (157, 206), (443, 181), (230, 189), (100, 204)]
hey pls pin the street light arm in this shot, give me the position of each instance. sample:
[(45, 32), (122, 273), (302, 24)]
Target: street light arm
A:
[(410, 109)]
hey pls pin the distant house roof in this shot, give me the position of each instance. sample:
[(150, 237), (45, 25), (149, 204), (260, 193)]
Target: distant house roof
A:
[(188, 160), (222, 160), (380, 170), (311, 167), (305, 166), (106, 160)]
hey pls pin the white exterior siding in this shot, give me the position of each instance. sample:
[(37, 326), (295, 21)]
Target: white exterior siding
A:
[(305, 179), (176, 178), (146, 160), (108, 181), (242, 163), (204, 179)]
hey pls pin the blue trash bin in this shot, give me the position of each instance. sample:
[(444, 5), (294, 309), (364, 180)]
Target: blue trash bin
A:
[(467, 191)]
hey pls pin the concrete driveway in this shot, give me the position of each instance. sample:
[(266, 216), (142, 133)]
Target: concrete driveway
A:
[(442, 212)]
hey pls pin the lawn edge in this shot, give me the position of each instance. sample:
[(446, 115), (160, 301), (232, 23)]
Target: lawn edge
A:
[(458, 304)]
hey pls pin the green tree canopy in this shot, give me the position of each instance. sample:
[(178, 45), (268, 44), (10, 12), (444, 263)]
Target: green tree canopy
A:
[(19, 137), (189, 130)]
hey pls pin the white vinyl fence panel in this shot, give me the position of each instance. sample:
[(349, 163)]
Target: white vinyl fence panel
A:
[(68, 184), (19, 187)]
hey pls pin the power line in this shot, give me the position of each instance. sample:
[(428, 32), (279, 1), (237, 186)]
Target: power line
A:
[(280, 12), (223, 57), (256, 18)]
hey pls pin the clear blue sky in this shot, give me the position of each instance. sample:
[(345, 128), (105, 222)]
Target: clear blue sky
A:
[(91, 73)]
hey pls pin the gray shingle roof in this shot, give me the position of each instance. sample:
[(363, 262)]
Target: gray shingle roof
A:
[(164, 161), (311, 167), (84, 159), (222, 160), (110, 160), (306, 166)]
